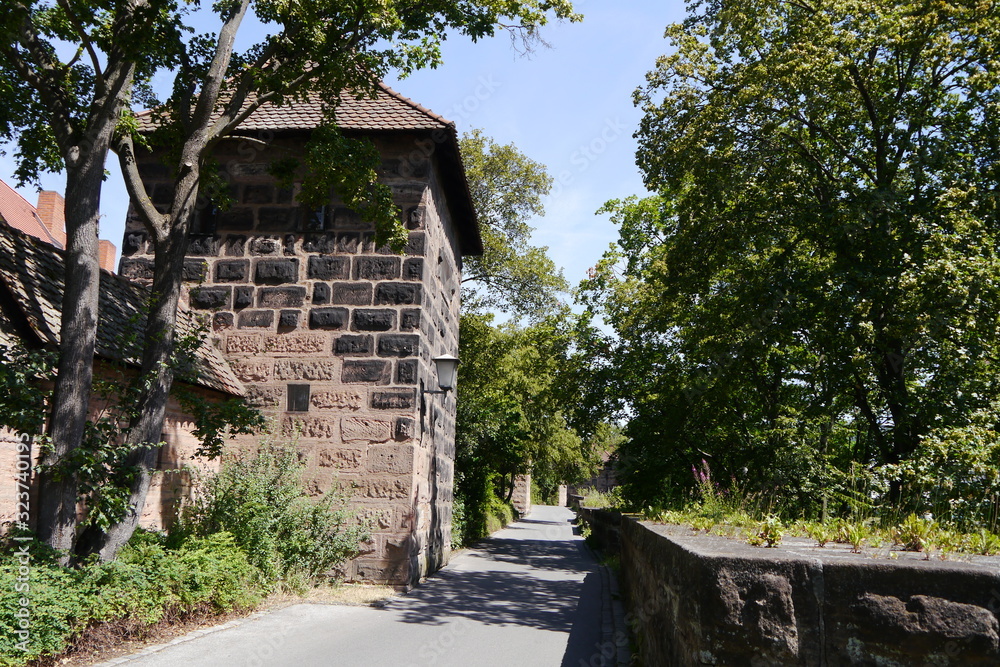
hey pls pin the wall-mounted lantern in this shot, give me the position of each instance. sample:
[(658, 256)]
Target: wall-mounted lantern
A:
[(447, 369)]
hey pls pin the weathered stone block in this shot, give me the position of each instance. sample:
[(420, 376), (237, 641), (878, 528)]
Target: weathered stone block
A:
[(252, 370), (345, 218), (303, 369), (238, 218), (205, 245), (244, 343), (264, 246), (394, 400), (258, 194), (328, 318), (367, 430), (321, 294), (379, 518), (352, 294), (264, 397), (278, 218), (415, 244), (255, 319), (288, 319), (398, 345), (281, 297), (232, 270), (409, 319), (329, 268), (405, 429), (133, 243), (376, 268), (386, 489), (338, 400), (396, 459), (312, 427), (413, 269), (223, 321), (368, 371), (348, 242), (374, 320), (276, 271), (236, 245), (406, 371), (137, 268), (300, 343), (397, 294), (343, 459), (242, 297), (210, 298), (354, 345), (414, 217), (322, 244)]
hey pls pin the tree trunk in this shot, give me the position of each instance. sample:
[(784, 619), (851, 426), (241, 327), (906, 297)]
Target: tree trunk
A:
[(56, 517), (157, 372)]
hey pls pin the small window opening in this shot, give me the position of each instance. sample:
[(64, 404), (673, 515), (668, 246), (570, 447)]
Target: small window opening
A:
[(298, 398)]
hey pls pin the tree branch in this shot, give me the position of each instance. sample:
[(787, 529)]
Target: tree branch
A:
[(50, 94), (86, 43), (154, 221), (217, 70)]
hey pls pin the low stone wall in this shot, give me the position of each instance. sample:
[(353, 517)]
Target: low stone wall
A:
[(706, 600)]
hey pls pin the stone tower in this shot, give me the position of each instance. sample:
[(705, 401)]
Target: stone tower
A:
[(331, 334)]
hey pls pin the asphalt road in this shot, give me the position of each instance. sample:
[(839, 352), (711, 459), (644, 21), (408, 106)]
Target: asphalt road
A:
[(530, 595)]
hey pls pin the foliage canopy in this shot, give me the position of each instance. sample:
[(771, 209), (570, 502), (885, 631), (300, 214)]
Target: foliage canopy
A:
[(815, 283)]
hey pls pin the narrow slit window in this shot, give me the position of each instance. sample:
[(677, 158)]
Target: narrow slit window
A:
[(298, 398)]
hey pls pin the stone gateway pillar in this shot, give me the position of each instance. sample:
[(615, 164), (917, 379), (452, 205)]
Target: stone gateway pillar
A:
[(332, 336)]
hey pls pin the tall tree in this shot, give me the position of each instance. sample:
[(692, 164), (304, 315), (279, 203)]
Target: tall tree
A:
[(507, 189), (316, 48), (64, 114), (821, 259)]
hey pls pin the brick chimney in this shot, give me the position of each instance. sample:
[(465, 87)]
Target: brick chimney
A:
[(52, 212), (106, 255)]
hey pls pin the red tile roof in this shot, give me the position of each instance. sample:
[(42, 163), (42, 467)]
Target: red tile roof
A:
[(388, 110), (19, 214), (33, 275)]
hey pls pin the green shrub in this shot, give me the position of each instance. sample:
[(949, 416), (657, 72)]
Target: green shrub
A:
[(459, 530), (499, 513), (57, 610), (259, 498), (144, 585)]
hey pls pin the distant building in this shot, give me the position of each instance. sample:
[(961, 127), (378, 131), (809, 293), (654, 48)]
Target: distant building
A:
[(47, 221)]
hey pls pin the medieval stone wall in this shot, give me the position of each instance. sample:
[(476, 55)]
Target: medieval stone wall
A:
[(334, 337), (176, 462)]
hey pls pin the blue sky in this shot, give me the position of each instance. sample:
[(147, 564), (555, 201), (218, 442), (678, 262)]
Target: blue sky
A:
[(568, 107)]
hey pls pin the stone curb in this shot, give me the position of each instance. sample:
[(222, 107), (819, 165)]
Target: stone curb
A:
[(613, 626)]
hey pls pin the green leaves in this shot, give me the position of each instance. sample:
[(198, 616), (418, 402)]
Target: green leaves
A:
[(507, 189), (815, 282), (349, 166)]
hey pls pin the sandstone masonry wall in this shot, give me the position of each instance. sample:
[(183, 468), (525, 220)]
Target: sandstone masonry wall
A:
[(177, 465), (334, 337), (702, 600)]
